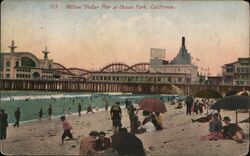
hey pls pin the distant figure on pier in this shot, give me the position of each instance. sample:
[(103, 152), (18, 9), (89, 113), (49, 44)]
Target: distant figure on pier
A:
[(89, 109), (40, 114), (17, 116), (50, 112), (4, 124), (79, 109), (116, 116)]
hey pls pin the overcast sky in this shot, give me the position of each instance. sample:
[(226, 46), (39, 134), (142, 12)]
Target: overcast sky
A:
[(216, 32)]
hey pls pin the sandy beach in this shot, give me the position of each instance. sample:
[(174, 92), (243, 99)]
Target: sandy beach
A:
[(179, 137)]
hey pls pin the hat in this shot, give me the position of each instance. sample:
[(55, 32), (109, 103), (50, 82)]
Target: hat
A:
[(102, 133), (215, 112), (226, 118)]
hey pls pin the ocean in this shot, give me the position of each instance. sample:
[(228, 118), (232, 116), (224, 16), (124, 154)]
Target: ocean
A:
[(30, 102)]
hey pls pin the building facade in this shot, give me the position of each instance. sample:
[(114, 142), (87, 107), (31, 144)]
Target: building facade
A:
[(25, 65), (179, 71), (237, 73)]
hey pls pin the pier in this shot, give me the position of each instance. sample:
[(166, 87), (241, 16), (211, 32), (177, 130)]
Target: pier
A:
[(125, 87)]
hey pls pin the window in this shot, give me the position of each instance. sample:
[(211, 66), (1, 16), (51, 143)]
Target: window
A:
[(7, 69), (17, 63), (158, 79), (169, 79), (7, 76), (179, 79), (247, 70), (238, 70), (243, 70), (8, 63)]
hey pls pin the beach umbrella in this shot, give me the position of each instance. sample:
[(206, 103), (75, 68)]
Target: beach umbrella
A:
[(231, 92), (243, 93), (127, 144), (232, 102), (152, 105), (207, 94)]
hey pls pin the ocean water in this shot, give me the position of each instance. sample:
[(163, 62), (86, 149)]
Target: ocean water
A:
[(30, 102)]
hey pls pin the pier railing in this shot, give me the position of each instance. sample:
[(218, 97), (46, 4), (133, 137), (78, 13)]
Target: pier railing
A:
[(90, 86)]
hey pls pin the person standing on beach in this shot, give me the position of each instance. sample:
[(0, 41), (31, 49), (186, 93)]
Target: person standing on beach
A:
[(50, 112), (189, 104), (69, 112), (106, 103), (79, 109), (116, 115), (4, 124), (17, 116), (40, 114)]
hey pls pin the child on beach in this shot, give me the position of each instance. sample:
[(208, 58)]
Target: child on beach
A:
[(40, 114), (69, 112), (89, 109), (66, 127)]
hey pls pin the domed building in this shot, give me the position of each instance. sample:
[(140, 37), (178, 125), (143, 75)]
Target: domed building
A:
[(25, 65)]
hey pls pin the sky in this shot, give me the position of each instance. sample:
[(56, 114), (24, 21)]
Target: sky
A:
[(216, 32)]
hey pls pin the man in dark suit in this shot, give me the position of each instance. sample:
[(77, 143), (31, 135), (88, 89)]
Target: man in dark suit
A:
[(4, 124), (17, 116)]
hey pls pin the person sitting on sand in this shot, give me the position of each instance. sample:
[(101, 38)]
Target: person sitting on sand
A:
[(215, 128), (155, 122), (206, 118), (159, 120), (179, 106), (88, 145), (89, 109), (232, 131), (148, 126), (66, 127), (102, 143)]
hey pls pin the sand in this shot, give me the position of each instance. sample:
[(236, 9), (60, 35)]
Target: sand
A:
[(179, 137)]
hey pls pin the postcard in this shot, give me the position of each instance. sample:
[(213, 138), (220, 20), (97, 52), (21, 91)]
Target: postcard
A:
[(124, 77)]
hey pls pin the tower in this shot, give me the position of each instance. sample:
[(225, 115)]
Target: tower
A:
[(45, 58), (12, 46), (45, 52)]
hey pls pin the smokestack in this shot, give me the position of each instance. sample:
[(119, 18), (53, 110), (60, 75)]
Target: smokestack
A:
[(183, 41)]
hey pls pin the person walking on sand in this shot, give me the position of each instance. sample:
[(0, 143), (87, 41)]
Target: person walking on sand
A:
[(106, 103), (17, 116), (4, 124), (79, 109), (40, 114), (50, 112), (116, 116), (66, 127)]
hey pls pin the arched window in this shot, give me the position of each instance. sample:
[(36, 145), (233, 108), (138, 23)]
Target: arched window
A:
[(8, 63), (27, 62)]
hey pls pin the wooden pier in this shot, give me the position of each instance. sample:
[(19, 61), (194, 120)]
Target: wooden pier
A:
[(88, 86)]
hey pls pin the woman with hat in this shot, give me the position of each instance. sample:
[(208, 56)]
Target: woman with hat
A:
[(102, 143), (232, 130)]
